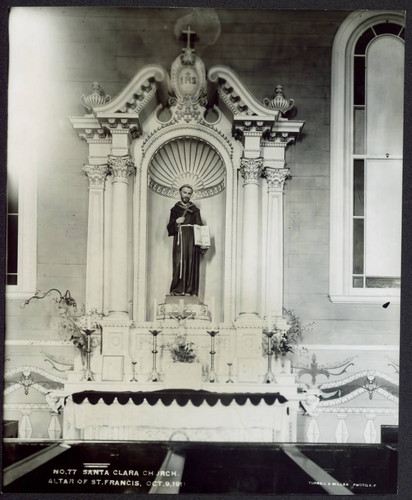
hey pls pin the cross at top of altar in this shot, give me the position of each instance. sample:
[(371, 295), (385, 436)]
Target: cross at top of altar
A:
[(188, 32)]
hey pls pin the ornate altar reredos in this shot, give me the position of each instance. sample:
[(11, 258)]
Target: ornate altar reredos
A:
[(164, 130)]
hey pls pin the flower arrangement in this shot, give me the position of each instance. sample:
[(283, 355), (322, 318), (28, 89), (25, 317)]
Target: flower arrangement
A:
[(181, 349), (74, 328), (284, 341)]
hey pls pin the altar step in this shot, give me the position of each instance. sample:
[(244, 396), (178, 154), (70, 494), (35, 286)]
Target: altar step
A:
[(204, 468)]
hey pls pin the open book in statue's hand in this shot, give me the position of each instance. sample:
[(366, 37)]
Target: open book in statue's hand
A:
[(201, 236)]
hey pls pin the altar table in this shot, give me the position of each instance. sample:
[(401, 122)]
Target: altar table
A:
[(181, 415)]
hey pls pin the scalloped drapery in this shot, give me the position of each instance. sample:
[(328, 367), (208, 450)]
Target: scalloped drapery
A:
[(181, 396)]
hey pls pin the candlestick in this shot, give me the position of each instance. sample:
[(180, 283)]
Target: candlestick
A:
[(269, 377), (212, 374), (229, 380), (134, 379), (87, 372), (154, 375)]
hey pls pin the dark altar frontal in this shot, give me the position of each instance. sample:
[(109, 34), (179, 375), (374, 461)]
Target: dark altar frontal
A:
[(196, 468)]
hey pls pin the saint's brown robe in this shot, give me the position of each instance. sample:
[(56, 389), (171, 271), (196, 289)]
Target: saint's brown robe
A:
[(186, 256)]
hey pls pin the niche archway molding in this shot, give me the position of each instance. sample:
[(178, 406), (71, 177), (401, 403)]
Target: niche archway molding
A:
[(230, 152)]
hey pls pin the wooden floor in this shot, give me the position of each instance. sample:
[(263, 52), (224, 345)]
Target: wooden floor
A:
[(196, 468)]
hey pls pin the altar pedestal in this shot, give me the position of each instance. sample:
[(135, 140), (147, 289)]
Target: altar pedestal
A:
[(183, 376), (182, 307)]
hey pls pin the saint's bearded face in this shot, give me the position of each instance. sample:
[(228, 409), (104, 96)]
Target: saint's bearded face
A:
[(185, 194)]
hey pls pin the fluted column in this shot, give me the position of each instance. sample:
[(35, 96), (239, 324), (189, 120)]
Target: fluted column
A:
[(95, 236), (275, 178), (121, 168), (251, 170)]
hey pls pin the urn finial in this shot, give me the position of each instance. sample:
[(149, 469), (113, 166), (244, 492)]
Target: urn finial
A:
[(279, 101), (96, 98)]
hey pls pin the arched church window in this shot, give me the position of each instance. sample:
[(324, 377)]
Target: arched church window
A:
[(366, 157)]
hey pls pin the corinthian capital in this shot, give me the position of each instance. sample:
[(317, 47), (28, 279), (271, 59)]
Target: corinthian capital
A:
[(96, 174), (121, 167), (251, 170), (276, 178)]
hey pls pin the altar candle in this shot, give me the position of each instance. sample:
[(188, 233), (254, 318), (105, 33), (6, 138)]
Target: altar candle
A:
[(89, 322), (212, 310), (132, 345), (155, 312)]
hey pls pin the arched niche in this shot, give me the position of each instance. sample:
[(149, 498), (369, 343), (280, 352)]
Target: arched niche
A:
[(202, 157)]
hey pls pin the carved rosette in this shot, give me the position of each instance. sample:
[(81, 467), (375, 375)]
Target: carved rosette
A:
[(276, 178), (96, 174), (121, 167), (251, 170)]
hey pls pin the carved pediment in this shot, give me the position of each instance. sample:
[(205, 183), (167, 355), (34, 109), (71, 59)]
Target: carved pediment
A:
[(151, 79), (236, 96), (129, 109), (186, 97)]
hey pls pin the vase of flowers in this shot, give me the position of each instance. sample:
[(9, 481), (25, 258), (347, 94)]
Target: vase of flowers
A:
[(181, 349), (183, 372), (78, 330), (285, 341)]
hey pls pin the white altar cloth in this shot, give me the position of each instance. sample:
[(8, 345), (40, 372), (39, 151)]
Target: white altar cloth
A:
[(235, 422)]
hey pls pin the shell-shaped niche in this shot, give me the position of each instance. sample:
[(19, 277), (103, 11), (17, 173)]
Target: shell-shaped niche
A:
[(187, 160)]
